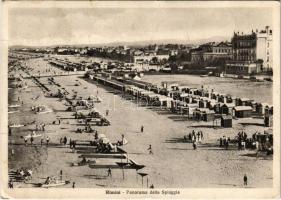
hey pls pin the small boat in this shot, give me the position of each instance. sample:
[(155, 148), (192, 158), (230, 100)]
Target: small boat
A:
[(16, 111), (55, 184), (44, 112), (126, 166), (203, 75), (97, 155), (16, 125), (14, 106), (34, 135)]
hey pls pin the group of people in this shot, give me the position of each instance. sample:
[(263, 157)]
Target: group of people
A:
[(72, 144), (257, 141), (63, 140), (194, 137), (40, 127), (32, 140), (224, 142), (37, 109)]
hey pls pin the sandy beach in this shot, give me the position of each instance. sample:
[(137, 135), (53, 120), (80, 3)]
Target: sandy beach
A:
[(173, 164)]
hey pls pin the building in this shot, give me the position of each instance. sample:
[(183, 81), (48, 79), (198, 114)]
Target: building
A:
[(252, 53), (147, 58), (212, 51), (223, 47), (264, 48)]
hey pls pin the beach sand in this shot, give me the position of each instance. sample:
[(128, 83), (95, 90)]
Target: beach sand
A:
[(173, 164)]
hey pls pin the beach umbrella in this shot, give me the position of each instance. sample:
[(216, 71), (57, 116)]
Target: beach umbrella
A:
[(142, 175), (122, 165)]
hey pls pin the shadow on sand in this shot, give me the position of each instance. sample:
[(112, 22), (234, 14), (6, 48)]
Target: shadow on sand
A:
[(251, 124)]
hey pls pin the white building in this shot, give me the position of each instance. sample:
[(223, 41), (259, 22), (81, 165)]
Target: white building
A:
[(146, 59), (264, 48)]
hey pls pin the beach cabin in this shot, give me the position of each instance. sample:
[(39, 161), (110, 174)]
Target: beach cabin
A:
[(165, 101), (175, 105), (190, 108), (208, 116), (226, 108), (260, 108), (222, 98), (254, 106), (217, 107), (244, 102), (268, 110), (203, 102), (211, 104), (226, 121), (234, 100), (203, 114), (164, 91), (268, 120), (214, 95), (192, 91), (242, 111), (182, 88), (183, 97), (169, 85), (207, 94)]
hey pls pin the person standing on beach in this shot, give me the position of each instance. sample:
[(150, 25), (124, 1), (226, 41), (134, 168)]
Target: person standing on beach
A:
[(198, 136), (25, 141), (150, 149), (245, 178), (41, 142), (60, 174), (202, 136), (65, 140), (43, 127), (31, 140), (11, 184), (109, 172), (47, 140), (10, 131), (73, 185), (142, 128), (194, 146)]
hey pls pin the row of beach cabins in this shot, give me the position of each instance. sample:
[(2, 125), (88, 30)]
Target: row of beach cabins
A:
[(67, 65), (199, 104)]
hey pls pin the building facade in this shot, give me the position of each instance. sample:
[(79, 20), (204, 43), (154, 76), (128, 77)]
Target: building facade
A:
[(264, 48), (212, 51), (252, 53)]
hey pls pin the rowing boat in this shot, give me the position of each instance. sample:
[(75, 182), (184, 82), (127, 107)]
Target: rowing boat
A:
[(16, 125), (16, 111), (14, 106), (57, 183)]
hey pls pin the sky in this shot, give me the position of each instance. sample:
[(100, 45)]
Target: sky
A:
[(57, 26)]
